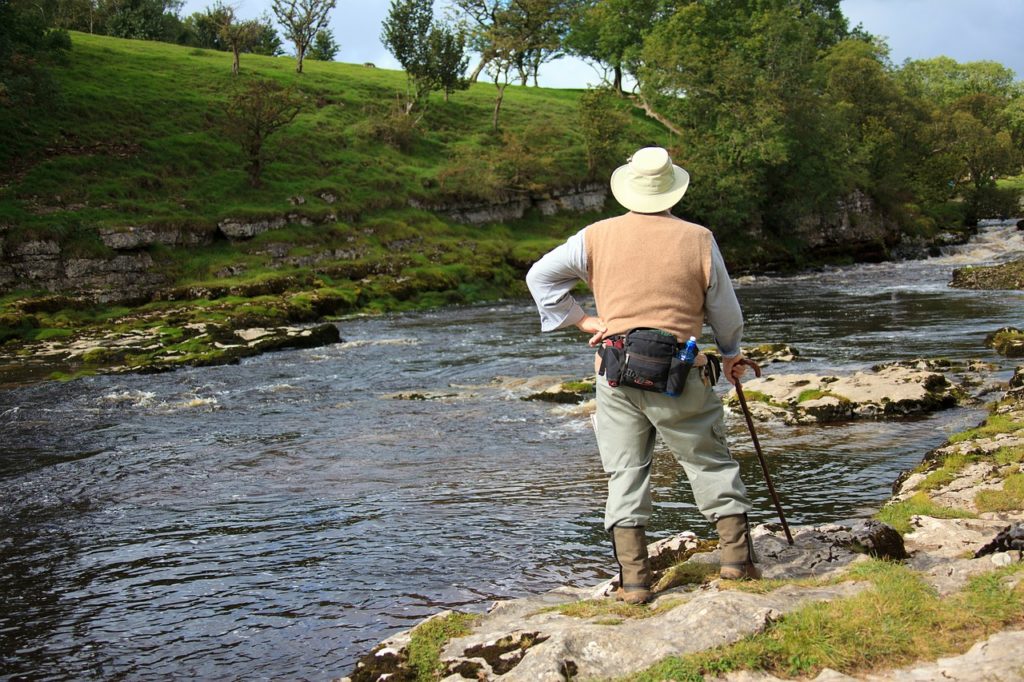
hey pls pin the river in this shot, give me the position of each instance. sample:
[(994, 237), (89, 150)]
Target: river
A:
[(277, 518)]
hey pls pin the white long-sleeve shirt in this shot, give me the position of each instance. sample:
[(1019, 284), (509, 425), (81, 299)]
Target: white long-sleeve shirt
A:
[(552, 278)]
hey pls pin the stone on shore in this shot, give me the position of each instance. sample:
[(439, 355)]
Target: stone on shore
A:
[(1004, 276), (532, 639), (1008, 342), (886, 392)]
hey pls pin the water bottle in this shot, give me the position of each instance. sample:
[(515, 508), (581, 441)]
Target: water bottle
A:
[(682, 361), (689, 352)]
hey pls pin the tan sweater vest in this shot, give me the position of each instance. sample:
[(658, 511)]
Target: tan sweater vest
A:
[(649, 271)]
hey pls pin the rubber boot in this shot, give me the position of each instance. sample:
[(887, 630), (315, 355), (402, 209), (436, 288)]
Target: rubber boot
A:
[(737, 549), (630, 547)]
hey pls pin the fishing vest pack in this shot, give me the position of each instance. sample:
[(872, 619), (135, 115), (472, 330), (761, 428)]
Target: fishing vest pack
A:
[(645, 358)]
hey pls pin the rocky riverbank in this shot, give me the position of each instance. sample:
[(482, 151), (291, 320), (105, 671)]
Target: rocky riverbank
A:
[(828, 607), (1004, 276)]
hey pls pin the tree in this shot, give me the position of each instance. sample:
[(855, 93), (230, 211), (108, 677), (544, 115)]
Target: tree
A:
[(738, 81), (76, 15), (268, 42), (498, 69), (26, 44), (255, 112), (448, 59), (239, 36), (432, 55), (142, 19), (405, 32), (302, 20), (324, 48), (204, 28), (611, 32), (529, 31), (602, 124)]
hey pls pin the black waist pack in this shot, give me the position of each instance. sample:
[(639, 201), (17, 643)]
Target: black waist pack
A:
[(644, 358)]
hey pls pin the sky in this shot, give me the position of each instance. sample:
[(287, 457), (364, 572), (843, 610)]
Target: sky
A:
[(966, 30)]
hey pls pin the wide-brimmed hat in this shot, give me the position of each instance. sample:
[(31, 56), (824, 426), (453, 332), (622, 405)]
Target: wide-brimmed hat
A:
[(649, 182)]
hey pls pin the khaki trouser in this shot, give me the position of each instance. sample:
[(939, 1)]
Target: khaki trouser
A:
[(691, 425)]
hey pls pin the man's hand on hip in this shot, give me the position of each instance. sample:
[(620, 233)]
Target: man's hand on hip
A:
[(595, 326)]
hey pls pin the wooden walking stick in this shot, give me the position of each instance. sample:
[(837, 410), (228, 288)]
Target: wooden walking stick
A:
[(757, 446)]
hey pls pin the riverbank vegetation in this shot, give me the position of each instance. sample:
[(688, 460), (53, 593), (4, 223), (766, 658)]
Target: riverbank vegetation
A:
[(133, 182), (899, 620)]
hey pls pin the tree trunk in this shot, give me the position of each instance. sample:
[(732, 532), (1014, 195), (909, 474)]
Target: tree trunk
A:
[(300, 52), (497, 103), (234, 64), (478, 70), (617, 82), (639, 101)]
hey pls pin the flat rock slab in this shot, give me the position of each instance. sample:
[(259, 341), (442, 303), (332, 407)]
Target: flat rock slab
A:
[(591, 650), (528, 639), (888, 392)]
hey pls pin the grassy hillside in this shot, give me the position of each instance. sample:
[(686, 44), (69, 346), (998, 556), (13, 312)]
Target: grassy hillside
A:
[(139, 136), (137, 139)]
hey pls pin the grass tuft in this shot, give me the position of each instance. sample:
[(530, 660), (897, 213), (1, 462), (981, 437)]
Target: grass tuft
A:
[(429, 638), (898, 514), (899, 620)]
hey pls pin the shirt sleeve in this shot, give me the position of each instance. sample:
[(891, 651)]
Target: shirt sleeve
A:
[(722, 308), (552, 278)]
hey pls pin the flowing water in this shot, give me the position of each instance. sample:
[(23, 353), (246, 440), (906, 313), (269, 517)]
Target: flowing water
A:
[(277, 518)]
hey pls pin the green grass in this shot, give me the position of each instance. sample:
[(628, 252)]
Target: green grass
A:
[(139, 140), (430, 637), (1009, 498), (993, 425), (898, 514), (900, 619), (610, 609)]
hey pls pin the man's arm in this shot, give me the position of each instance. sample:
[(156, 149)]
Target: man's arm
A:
[(551, 280), (724, 315)]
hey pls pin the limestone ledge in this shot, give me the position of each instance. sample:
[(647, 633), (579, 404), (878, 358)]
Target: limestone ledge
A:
[(889, 391), (531, 639)]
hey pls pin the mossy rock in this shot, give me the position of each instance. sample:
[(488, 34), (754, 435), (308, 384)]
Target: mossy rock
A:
[(1004, 276), (568, 392), (1008, 342)]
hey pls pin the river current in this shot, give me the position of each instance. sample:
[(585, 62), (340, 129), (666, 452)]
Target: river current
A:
[(277, 518)]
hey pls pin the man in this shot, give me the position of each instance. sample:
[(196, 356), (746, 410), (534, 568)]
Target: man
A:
[(652, 271)]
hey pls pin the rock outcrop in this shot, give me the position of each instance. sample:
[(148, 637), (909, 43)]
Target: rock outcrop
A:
[(510, 207), (1004, 276), (886, 392), (567, 634)]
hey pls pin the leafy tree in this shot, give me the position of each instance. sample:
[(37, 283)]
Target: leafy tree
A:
[(324, 47), (239, 36), (142, 19), (203, 29), (527, 33), (737, 82), (498, 68), (973, 137), (405, 33), (77, 15), (302, 20), (432, 55), (448, 59), (26, 45), (268, 42), (943, 81), (255, 112), (602, 122), (611, 32)]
